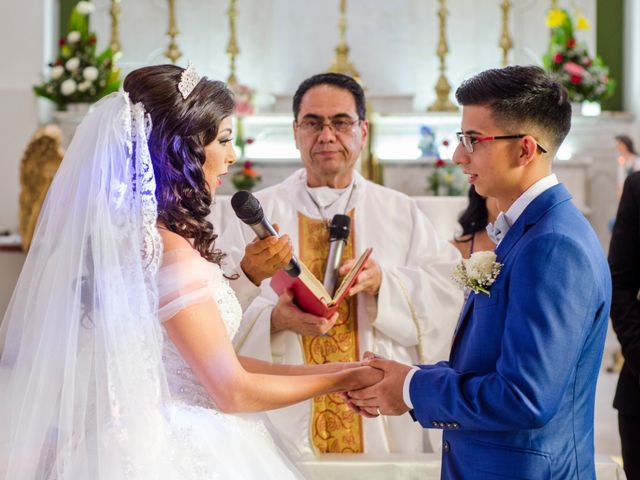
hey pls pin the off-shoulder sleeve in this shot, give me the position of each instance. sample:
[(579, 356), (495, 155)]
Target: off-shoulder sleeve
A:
[(185, 279)]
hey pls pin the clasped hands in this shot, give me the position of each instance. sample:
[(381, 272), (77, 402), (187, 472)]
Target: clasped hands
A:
[(384, 397)]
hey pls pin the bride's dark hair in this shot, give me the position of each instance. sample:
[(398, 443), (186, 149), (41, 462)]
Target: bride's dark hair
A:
[(181, 128)]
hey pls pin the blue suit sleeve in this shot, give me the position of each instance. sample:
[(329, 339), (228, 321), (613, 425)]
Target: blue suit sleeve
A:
[(552, 296)]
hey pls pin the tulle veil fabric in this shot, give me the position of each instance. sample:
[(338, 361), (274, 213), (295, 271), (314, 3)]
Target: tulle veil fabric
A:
[(82, 383)]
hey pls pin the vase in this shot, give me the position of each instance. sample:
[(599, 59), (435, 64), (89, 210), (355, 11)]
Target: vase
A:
[(590, 109), (586, 108), (69, 119)]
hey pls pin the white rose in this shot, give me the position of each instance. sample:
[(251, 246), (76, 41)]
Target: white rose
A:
[(90, 73), (73, 37), (72, 64), (56, 72), (480, 264), (84, 86), (84, 8), (68, 87)]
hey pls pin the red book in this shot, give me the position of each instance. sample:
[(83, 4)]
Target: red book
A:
[(308, 292)]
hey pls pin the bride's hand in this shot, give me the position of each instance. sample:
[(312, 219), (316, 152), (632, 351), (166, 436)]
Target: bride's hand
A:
[(361, 377)]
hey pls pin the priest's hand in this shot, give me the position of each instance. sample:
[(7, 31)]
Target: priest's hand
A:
[(263, 258), (369, 279), (287, 316), (385, 397)]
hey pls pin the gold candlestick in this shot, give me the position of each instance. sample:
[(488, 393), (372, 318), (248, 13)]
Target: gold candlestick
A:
[(173, 53), (114, 11), (232, 45), (505, 43), (341, 62), (442, 88)]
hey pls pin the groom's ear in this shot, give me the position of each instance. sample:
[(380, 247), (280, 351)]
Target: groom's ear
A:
[(528, 150)]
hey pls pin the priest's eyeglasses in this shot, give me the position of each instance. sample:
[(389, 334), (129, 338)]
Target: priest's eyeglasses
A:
[(337, 125), (468, 141)]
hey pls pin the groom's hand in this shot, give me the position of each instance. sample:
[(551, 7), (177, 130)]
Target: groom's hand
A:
[(385, 397)]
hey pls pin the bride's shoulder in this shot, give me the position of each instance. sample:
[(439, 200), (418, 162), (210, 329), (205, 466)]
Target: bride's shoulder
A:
[(173, 241), (176, 249)]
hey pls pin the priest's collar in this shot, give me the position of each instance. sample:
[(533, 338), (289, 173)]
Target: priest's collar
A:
[(324, 197)]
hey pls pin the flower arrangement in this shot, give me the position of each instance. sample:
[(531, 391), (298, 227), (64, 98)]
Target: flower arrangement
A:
[(246, 178), (477, 272), (585, 78), (78, 73), (446, 179)]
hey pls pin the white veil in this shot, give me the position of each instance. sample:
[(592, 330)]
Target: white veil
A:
[(82, 383)]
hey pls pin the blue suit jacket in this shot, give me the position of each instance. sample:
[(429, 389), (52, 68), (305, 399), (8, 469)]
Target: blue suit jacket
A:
[(516, 398)]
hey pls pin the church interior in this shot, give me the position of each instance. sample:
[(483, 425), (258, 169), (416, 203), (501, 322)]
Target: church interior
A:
[(409, 56)]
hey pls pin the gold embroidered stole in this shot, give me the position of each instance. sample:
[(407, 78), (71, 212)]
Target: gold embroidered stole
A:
[(334, 428)]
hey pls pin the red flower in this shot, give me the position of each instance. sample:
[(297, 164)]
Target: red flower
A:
[(59, 62), (92, 40), (247, 164), (445, 142), (62, 41), (571, 43), (440, 162), (576, 79), (248, 141), (557, 58)]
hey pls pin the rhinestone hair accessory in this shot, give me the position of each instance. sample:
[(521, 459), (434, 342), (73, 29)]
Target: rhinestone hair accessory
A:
[(188, 80)]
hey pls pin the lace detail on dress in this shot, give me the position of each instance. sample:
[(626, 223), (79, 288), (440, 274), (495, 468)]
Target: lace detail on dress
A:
[(186, 279)]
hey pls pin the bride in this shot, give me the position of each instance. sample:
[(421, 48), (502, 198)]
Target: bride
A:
[(116, 355)]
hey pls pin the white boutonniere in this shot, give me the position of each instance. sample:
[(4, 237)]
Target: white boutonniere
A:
[(477, 272)]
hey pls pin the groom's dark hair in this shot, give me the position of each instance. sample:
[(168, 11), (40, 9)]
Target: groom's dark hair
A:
[(522, 98)]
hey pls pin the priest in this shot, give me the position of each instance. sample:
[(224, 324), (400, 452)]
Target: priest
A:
[(404, 304)]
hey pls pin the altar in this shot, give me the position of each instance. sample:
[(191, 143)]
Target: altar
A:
[(424, 466)]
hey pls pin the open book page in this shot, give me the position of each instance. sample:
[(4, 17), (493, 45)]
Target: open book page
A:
[(349, 278), (313, 284)]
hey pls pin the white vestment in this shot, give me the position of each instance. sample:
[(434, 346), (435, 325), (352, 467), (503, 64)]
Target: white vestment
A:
[(411, 320)]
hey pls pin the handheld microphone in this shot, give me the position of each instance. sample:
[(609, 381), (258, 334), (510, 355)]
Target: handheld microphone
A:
[(249, 210), (338, 235)]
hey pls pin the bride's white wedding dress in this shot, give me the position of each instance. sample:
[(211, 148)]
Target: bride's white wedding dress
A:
[(90, 386), (209, 444)]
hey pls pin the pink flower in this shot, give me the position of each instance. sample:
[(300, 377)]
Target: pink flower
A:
[(243, 108), (557, 58), (247, 164), (574, 69)]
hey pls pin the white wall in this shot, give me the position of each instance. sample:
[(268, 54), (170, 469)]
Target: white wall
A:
[(22, 30)]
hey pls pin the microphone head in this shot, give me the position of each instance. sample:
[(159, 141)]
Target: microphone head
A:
[(247, 207), (339, 228)]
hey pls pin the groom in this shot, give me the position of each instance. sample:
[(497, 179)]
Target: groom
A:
[(516, 398)]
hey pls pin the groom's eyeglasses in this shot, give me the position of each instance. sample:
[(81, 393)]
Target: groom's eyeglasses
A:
[(468, 141)]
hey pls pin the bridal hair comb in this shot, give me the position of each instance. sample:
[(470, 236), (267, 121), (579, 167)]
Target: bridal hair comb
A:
[(188, 80)]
